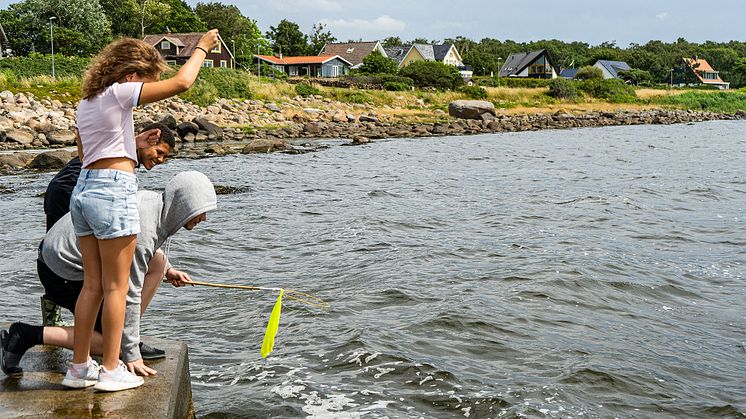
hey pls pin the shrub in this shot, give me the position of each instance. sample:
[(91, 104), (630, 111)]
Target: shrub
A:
[(433, 74), (202, 93), (730, 102), (589, 72), (41, 65), (376, 63), (305, 89), (562, 89), (611, 90), (637, 77), (396, 86), (354, 97), (473, 92), (518, 82), (229, 83)]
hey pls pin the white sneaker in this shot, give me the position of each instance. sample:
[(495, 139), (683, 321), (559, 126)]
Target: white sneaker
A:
[(72, 379), (117, 380)]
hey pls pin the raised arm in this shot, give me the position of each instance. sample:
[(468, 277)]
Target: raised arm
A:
[(185, 77)]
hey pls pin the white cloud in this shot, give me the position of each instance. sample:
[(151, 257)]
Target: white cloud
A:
[(662, 16), (381, 24), (295, 5)]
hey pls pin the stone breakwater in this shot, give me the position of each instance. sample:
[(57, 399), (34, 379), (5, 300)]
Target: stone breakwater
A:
[(255, 126)]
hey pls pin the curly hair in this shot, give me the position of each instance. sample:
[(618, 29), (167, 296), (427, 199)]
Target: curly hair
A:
[(118, 59)]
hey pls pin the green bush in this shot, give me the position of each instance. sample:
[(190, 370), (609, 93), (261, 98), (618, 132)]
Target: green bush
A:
[(41, 65), (611, 90), (376, 63), (729, 102), (202, 93), (562, 89), (354, 97), (396, 86), (473, 92), (433, 74), (589, 72), (229, 83), (305, 89), (517, 82)]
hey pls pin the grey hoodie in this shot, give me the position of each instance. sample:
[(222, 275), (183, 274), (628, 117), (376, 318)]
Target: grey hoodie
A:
[(186, 196)]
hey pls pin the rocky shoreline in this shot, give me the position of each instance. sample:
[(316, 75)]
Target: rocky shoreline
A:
[(255, 126)]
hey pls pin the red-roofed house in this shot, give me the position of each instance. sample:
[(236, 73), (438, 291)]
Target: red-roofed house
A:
[(176, 48), (311, 66), (705, 73)]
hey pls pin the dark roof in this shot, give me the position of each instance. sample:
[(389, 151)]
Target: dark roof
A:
[(569, 73), (518, 61), (397, 53), (186, 41), (614, 67), (440, 51), (354, 52)]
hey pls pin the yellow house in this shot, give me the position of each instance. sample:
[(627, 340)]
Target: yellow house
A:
[(445, 53)]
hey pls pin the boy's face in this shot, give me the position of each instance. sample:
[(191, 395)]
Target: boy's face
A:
[(154, 155), (196, 220)]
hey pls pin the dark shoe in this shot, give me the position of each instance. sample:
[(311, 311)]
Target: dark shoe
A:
[(149, 352), (8, 360)]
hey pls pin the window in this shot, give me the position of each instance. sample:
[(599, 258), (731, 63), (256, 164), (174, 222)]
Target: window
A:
[(171, 62), (223, 63), (350, 50), (165, 44), (216, 49), (335, 71), (293, 71), (207, 63)]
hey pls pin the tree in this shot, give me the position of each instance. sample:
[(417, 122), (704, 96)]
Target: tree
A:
[(236, 29), (319, 38), (433, 74), (287, 38), (150, 12), (80, 26), (124, 17), (636, 76), (376, 63), (589, 73), (738, 73), (392, 41)]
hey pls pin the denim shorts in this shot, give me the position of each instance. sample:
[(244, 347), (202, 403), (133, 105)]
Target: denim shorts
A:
[(104, 203)]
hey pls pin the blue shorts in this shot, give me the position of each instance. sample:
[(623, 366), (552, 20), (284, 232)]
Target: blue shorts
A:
[(104, 203)]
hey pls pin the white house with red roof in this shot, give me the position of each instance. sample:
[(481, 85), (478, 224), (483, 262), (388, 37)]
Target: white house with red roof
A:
[(705, 73), (311, 66)]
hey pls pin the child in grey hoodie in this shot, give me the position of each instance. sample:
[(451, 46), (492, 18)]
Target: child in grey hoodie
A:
[(184, 203)]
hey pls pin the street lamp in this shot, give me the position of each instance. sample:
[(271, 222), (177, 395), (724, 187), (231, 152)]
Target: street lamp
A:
[(259, 60), (672, 78), (51, 42), (498, 70), (233, 63)]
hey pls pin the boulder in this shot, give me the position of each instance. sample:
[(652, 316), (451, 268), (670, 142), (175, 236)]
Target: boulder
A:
[(169, 121), (61, 137), (208, 126), (187, 128), (265, 145), (19, 136), (15, 160), (470, 109), (366, 118), (51, 160), (273, 107), (218, 149)]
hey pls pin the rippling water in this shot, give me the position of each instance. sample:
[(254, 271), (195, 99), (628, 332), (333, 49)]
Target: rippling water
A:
[(578, 273)]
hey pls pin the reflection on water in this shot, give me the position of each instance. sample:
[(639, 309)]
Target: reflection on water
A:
[(590, 273)]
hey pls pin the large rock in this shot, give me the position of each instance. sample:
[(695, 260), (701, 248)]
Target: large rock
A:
[(61, 137), (213, 131), (471, 109), (51, 160), (187, 128), (20, 136), (15, 160), (264, 145), (168, 120)]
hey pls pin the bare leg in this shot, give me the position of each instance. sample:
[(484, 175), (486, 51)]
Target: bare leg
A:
[(63, 336), (89, 300), (156, 269), (117, 254)]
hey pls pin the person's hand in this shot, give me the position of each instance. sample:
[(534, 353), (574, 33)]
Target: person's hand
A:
[(209, 41), (139, 368), (147, 138), (178, 278)]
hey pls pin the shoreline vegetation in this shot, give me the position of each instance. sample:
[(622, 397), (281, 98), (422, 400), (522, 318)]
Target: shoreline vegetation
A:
[(231, 111)]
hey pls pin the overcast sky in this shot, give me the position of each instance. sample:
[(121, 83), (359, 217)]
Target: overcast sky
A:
[(592, 21)]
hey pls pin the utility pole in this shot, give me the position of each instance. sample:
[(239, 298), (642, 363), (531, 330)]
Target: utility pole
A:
[(51, 42)]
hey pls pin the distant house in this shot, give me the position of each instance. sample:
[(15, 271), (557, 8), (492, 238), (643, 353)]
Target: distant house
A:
[(311, 66), (611, 69), (353, 52), (568, 73), (534, 64), (705, 73), (176, 48), (444, 53)]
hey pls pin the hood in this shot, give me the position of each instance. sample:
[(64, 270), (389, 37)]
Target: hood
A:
[(187, 195)]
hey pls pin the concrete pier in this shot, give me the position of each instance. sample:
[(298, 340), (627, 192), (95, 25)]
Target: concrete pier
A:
[(37, 393)]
